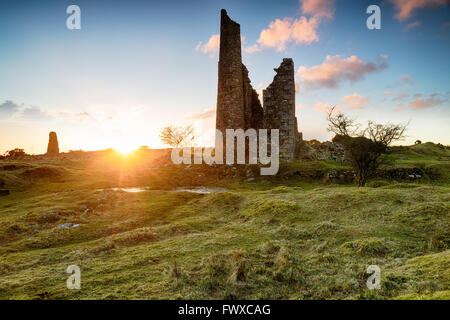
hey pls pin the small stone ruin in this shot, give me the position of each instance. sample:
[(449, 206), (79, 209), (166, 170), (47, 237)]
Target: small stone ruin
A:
[(53, 147)]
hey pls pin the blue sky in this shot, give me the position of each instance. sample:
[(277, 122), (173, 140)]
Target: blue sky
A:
[(136, 66)]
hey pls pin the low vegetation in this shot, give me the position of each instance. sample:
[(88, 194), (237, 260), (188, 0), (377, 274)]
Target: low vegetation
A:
[(300, 235)]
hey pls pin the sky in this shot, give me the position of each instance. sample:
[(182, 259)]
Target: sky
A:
[(137, 66)]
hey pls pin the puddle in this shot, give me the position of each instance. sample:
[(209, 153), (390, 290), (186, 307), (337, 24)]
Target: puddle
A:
[(133, 190), (68, 225), (201, 190)]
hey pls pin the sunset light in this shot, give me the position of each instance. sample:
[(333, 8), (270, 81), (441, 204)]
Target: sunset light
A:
[(249, 154)]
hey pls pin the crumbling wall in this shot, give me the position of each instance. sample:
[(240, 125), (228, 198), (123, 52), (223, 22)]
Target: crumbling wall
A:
[(252, 106), (279, 108), (238, 105), (230, 91)]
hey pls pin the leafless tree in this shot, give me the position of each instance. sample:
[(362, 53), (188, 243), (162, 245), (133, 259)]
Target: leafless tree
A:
[(385, 133), (340, 124), (363, 148), (177, 136)]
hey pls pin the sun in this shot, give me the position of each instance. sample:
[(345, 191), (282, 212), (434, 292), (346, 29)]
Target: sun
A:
[(124, 149)]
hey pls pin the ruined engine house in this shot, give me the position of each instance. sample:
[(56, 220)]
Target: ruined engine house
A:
[(238, 104)]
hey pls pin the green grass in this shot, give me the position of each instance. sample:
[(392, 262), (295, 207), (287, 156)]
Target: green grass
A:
[(289, 237)]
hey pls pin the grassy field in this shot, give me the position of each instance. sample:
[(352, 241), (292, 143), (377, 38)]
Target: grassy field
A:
[(299, 235)]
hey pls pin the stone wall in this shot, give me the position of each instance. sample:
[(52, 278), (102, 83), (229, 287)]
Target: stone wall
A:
[(230, 91), (279, 108), (238, 104), (254, 115)]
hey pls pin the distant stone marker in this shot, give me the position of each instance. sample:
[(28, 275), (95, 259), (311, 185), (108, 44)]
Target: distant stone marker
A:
[(53, 147)]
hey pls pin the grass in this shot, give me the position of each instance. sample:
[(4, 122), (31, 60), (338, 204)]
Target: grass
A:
[(290, 237)]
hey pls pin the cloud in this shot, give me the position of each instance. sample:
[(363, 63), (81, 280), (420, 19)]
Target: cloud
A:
[(281, 32), (401, 107), (8, 108), (445, 25), (405, 8), (336, 69), (206, 114), (318, 8), (400, 96), (355, 101), (300, 106), (412, 26), (74, 116), (322, 106), (405, 79), (421, 103), (211, 47), (253, 48), (303, 30), (34, 113)]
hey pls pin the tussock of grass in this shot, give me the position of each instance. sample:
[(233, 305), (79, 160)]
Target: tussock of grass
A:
[(366, 247), (287, 237), (377, 184), (272, 207)]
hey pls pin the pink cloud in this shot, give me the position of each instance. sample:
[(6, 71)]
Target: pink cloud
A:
[(300, 106), (445, 25), (355, 101), (405, 79), (281, 32), (211, 47), (253, 48), (321, 106), (412, 26), (400, 96), (421, 103), (298, 31), (336, 69), (206, 114), (318, 8), (401, 107), (405, 8)]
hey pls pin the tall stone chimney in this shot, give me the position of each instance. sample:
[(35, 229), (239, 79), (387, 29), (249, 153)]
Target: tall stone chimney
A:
[(53, 147), (230, 91)]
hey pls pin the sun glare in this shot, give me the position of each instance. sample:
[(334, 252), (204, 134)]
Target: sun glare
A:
[(124, 149)]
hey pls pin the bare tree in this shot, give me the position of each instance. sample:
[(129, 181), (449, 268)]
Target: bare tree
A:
[(340, 124), (363, 148), (177, 136), (385, 133)]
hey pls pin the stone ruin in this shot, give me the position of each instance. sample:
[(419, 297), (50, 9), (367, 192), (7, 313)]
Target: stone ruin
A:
[(238, 104), (52, 147)]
